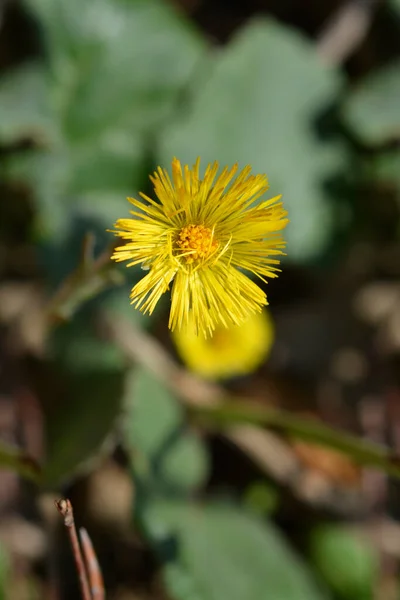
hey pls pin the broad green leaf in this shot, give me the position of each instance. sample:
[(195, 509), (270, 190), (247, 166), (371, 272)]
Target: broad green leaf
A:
[(82, 423), (108, 171), (76, 347), (256, 105), (386, 168), (81, 418), (175, 459), (349, 564), (4, 572), (14, 459), (154, 415), (104, 207), (114, 72), (262, 498), (81, 182), (25, 109), (120, 64), (185, 465), (180, 583), (118, 301), (216, 551), (372, 109), (48, 175), (395, 4)]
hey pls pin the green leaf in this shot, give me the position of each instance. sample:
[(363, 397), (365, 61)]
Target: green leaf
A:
[(118, 302), (4, 571), (372, 109), (74, 183), (16, 460), (395, 5), (82, 424), (115, 71), (92, 375), (349, 565), (63, 211), (180, 583), (256, 106), (115, 165), (75, 347), (185, 465), (262, 498), (216, 551), (25, 109), (386, 168), (172, 457), (48, 174), (120, 64), (155, 413)]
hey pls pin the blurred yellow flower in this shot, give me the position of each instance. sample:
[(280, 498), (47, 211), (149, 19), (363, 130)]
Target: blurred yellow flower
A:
[(201, 235), (233, 351)]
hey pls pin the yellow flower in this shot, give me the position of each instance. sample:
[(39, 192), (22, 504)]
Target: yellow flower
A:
[(232, 351), (200, 236)]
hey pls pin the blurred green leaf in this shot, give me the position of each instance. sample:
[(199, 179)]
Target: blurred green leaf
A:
[(262, 498), (4, 570), (395, 4), (257, 106), (110, 169), (118, 303), (154, 414), (215, 551), (16, 460), (350, 565), (117, 64), (75, 347), (386, 168), (82, 423), (48, 174), (68, 184), (185, 465), (115, 70), (81, 419), (372, 109), (25, 109), (174, 457), (180, 583)]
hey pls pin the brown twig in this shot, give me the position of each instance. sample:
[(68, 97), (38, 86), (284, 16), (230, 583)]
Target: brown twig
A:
[(345, 31), (271, 453), (64, 507), (92, 566), (143, 349)]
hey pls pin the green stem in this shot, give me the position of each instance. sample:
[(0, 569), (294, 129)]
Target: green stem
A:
[(364, 452)]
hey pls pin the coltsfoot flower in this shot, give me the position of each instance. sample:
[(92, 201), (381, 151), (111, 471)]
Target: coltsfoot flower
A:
[(200, 238), (231, 351)]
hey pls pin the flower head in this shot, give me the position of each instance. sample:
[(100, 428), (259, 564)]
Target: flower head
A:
[(200, 236), (230, 352)]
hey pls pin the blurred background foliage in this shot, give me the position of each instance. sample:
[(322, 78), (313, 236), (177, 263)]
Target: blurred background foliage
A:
[(187, 495)]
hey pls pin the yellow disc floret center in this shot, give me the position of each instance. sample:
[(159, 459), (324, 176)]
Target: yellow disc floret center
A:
[(196, 242)]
